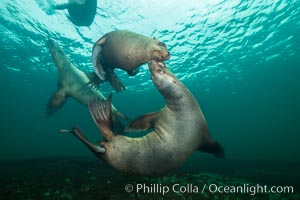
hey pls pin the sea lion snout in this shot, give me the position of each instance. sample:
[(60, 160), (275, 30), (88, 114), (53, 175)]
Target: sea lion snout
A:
[(50, 44), (160, 75), (53, 47), (167, 56), (156, 66), (58, 54), (162, 55), (161, 52)]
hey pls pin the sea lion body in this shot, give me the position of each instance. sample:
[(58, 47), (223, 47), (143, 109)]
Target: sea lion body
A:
[(72, 82), (82, 12), (127, 51), (179, 129)]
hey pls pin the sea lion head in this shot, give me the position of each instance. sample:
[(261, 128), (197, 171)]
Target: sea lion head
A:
[(57, 53), (166, 83), (159, 52)]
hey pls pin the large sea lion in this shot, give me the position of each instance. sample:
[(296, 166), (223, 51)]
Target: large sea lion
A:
[(82, 12), (127, 51), (178, 130), (73, 82)]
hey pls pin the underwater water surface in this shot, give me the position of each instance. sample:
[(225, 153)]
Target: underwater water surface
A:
[(240, 59)]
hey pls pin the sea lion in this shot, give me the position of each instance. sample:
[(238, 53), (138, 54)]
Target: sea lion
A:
[(74, 83), (127, 51), (178, 130), (82, 12)]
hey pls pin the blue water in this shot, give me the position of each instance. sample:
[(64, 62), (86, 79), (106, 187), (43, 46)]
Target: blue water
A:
[(240, 59)]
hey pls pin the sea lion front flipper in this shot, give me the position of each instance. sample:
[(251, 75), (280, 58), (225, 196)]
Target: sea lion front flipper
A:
[(142, 123), (61, 6), (100, 111), (94, 80), (96, 59), (115, 81), (120, 121), (96, 149), (56, 102), (213, 147), (133, 72)]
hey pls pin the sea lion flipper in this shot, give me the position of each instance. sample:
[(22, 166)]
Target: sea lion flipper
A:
[(100, 111), (96, 59), (120, 121), (115, 81), (96, 149), (61, 6), (142, 123), (214, 148), (94, 81), (133, 72), (56, 102)]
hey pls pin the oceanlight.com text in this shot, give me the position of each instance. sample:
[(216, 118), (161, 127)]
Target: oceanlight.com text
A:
[(142, 188)]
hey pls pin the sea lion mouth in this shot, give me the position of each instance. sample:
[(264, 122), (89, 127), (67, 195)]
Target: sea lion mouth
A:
[(160, 56), (156, 65), (164, 57), (168, 56), (161, 65), (157, 69), (162, 78)]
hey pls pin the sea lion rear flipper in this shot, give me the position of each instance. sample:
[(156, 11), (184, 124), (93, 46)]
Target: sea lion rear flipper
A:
[(96, 149), (115, 81), (142, 123), (214, 148), (100, 111), (56, 101)]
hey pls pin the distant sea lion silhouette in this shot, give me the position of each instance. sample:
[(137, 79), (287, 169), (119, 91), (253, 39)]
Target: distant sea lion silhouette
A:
[(82, 12), (74, 83), (127, 51), (178, 130)]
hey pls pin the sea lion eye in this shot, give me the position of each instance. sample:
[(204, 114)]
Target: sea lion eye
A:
[(162, 44)]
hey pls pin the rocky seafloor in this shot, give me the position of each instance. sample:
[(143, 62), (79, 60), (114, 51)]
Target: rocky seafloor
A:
[(88, 178)]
